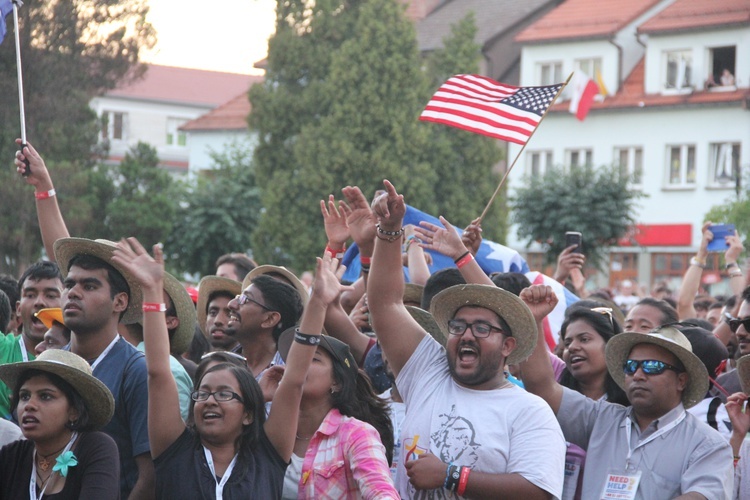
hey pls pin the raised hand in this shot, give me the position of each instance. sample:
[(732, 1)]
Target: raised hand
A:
[(541, 299), (39, 175), (334, 220), (472, 236), (327, 285), (735, 248), (359, 216), (567, 261), (441, 239), (148, 271), (360, 315), (389, 207)]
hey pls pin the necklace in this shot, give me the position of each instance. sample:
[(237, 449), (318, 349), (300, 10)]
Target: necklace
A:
[(45, 460), (303, 439)]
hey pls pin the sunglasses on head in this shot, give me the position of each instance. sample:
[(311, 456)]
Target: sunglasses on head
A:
[(734, 323), (649, 366)]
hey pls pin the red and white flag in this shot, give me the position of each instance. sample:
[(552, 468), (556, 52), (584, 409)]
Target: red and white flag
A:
[(584, 90), (484, 106)]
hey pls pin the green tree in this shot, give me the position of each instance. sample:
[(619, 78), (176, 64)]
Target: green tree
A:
[(463, 162), (71, 50), (597, 202), (145, 200), (343, 92), (219, 215), (734, 211)]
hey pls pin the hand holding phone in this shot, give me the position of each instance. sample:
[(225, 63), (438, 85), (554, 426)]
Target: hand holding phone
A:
[(720, 232), (574, 238)]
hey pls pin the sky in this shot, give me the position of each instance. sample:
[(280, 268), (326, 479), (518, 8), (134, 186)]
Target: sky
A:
[(229, 36)]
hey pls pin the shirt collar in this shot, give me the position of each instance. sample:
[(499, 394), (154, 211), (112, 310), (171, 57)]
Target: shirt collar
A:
[(660, 422), (331, 423)]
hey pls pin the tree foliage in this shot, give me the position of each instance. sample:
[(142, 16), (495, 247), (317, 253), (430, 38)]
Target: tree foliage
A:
[(737, 212), (220, 214), (597, 202)]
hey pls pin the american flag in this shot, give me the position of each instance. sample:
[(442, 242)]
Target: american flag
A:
[(484, 106)]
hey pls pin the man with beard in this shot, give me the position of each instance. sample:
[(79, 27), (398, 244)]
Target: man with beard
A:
[(257, 318), (468, 431), (214, 294), (40, 287)]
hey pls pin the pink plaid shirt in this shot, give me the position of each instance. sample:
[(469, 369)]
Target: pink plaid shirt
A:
[(345, 459)]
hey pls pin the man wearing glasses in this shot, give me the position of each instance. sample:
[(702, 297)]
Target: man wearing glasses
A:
[(653, 449), (740, 327), (467, 432)]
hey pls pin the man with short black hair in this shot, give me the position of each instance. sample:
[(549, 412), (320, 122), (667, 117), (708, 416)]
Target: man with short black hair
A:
[(234, 266), (214, 294)]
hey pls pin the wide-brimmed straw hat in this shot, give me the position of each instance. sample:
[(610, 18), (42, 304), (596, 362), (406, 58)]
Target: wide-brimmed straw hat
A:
[(743, 369), (183, 304), (206, 288), (281, 271), (413, 293), (670, 338), (427, 322), (74, 370), (67, 248), (49, 315), (506, 305)]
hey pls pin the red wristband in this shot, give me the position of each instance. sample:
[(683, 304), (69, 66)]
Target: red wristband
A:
[(463, 480), (464, 260), (365, 261), (154, 307), (336, 254), (43, 195)]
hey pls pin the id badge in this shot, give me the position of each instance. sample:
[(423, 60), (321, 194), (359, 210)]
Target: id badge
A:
[(621, 485)]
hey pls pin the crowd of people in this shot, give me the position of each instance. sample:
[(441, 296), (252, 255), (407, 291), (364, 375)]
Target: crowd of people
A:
[(116, 383)]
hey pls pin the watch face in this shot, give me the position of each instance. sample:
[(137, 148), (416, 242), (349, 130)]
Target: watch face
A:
[(456, 474)]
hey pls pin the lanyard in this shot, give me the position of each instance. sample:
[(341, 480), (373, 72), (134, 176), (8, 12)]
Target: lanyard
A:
[(22, 345), (104, 353), (32, 482), (660, 432), (224, 478)]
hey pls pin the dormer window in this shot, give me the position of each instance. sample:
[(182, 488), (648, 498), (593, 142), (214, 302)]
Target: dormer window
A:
[(679, 70)]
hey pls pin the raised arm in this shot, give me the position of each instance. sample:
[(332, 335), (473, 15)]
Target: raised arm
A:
[(51, 223), (691, 282), (536, 372), (731, 261), (285, 408), (447, 241), (398, 332), (339, 325), (416, 258), (165, 422)]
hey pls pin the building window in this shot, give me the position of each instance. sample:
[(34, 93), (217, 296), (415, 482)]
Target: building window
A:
[(681, 165), (722, 69), (591, 66), (725, 163), (539, 162), (630, 162), (114, 125), (176, 137), (550, 73), (679, 70), (578, 157)]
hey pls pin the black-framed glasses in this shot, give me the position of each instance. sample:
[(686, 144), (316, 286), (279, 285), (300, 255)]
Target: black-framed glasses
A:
[(649, 366), (734, 323), (480, 329), (243, 299), (220, 396)]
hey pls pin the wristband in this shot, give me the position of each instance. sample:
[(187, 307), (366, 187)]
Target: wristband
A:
[(464, 259), (451, 477), (154, 307), (730, 265), (463, 481), (735, 274), (365, 268), (695, 262), (390, 236), (366, 261), (336, 254), (43, 195), (306, 339)]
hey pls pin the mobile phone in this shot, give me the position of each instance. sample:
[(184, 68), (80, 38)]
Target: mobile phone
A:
[(574, 238), (720, 231)]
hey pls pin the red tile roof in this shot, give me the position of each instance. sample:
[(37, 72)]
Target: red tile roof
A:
[(231, 115), (686, 15), (632, 95), (579, 19), (186, 86)]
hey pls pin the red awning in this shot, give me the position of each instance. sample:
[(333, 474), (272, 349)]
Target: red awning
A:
[(658, 235)]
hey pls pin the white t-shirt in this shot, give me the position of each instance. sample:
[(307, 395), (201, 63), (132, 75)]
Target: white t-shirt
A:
[(502, 431), (292, 477), (397, 412), (723, 424)]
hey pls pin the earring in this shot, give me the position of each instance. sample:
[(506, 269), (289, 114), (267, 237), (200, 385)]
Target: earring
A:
[(333, 391)]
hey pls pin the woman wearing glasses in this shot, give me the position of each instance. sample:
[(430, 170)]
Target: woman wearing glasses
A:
[(228, 448)]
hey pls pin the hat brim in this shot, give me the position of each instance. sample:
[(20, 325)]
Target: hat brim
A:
[(283, 271), (98, 399), (183, 304), (503, 303), (207, 286), (427, 322), (67, 248), (619, 347), (743, 369), (413, 293)]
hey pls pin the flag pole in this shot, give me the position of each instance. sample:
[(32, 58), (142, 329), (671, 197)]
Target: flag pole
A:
[(16, 4), (502, 181)]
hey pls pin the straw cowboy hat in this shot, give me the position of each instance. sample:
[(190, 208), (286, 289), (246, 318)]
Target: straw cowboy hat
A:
[(206, 288), (185, 309), (281, 271), (743, 369), (506, 305), (76, 371), (413, 293), (670, 338), (67, 248), (49, 315), (427, 322)]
